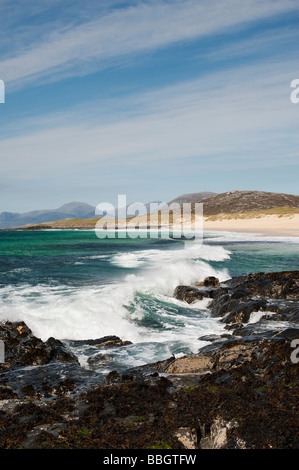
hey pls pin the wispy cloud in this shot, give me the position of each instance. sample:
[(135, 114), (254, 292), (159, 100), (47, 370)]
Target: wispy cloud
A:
[(77, 49), (243, 120)]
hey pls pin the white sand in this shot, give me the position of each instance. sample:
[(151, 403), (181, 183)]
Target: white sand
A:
[(267, 225), (273, 225)]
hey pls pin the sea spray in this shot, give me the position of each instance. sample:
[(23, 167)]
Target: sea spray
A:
[(94, 311), (71, 285)]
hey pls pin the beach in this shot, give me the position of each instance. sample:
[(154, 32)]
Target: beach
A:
[(269, 225)]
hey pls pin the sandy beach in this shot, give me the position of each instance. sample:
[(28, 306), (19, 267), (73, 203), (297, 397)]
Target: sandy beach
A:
[(274, 225), (266, 225), (269, 225)]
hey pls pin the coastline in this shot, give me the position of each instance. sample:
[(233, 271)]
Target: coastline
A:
[(266, 225), (270, 225), (237, 392)]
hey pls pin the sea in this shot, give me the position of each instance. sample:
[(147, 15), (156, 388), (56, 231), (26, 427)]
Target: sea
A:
[(72, 285)]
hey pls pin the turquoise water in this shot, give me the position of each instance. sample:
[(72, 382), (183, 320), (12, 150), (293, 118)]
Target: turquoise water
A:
[(72, 285)]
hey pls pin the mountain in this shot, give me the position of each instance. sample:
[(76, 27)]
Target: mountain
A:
[(71, 210), (191, 197), (229, 202), (246, 201)]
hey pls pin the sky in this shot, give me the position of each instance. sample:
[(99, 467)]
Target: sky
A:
[(151, 99)]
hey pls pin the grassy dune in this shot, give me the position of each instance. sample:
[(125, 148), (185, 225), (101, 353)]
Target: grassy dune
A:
[(279, 211)]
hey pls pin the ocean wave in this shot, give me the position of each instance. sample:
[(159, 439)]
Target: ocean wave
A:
[(66, 312), (226, 236), (191, 251)]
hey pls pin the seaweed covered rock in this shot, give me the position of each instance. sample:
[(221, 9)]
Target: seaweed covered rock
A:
[(239, 297), (22, 348)]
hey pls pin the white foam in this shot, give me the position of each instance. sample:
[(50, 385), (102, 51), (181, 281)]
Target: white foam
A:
[(191, 251), (95, 311), (226, 236), (256, 316)]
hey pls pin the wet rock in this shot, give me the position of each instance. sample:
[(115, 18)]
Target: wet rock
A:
[(210, 281), (208, 288), (22, 348), (98, 359), (6, 392), (188, 294), (51, 380), (277, 285), (215, 338), (240, 391), (276, 295), (104, 342), (262, 332), (58, 352), (247, 400), (240, 312), (39, 433), (38, 369)]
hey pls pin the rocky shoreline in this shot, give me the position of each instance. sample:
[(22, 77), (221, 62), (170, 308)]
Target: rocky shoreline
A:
[(240, 391)]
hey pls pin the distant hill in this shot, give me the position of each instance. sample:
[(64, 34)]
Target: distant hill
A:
[(246, 201), (191, 197), (81, 215), (71, 210)]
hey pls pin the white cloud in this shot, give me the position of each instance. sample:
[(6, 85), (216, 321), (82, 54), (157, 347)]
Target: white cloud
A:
[(79, 49), (241, 118)]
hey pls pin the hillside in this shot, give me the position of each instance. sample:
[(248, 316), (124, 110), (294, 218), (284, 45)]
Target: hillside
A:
[(225, 206), (191, 197), (64, 224), (246, 201), (70, 210)]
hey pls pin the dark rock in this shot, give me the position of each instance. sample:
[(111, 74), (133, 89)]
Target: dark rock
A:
[(51, 380), (240, 294), (188, 294), (57, 351), (277, 285), (266, 292), (213, 338), (98, 359), (104, 342), (22, 348), (7, 392), (210, 281), (240, 312), (239, 392), (112, 377), (245, 398), (260, 331), (191, 294)]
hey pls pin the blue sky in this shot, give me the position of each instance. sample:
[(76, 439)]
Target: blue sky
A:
[(151, 99)]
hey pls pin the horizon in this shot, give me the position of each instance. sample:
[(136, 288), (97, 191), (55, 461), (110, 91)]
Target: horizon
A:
[(142, 202), (150, 99)]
